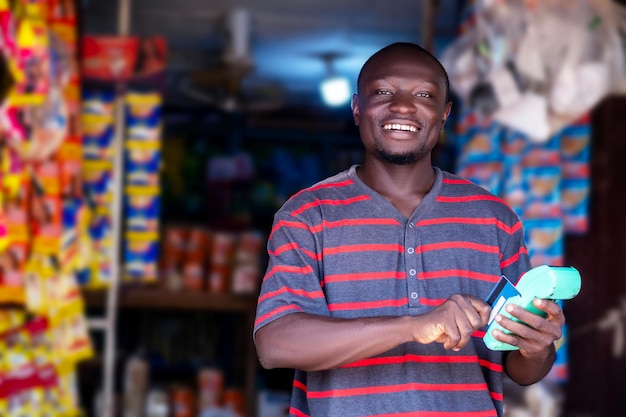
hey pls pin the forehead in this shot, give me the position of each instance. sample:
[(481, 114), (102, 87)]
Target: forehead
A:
[(402, 63)]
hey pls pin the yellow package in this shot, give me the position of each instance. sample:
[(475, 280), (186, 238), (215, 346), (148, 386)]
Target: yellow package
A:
[(38, 271), (68, 392)]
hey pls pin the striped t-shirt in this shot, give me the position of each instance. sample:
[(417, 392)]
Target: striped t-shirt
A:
[(340, 249)]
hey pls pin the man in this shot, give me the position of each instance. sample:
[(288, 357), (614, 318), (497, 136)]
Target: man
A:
[(376, 276)]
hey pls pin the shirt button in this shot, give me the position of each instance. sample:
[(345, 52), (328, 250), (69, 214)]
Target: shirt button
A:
[(410, 250), (412, 272), (414, 295)]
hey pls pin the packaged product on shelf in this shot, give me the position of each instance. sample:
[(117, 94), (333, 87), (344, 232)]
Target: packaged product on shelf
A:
[(210, 389), (141, 236), (108, 58), (38, 271), (46, 391), (172, 256), (74, 213), (183, 402), (98, 102), (234, 402), (7, 24), (249, 247), (195, 259), (245, 279), (140, 260), (71, 166), (32, 60), (98, 183), (142, 164), (98, 133), (219, 278), (100, 234), (142, 198), (20, 369), (41, 199), (143, 110), (67, 389), (14, 256), (247, 263), (157, 403), (97, 128), (135, 385), (142, 210), (220, 271)]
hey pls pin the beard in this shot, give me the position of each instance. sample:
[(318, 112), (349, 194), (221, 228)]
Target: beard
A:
[(404, 158)]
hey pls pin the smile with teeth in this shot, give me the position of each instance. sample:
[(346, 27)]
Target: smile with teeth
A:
[(398, 126)]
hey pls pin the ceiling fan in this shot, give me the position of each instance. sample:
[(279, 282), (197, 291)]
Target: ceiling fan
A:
[(231, 84)]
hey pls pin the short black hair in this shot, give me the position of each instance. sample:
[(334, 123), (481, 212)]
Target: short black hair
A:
[(417, 49)]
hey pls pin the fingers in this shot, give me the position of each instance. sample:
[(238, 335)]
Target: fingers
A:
[(483, 309), (454, 322), (531, 332)]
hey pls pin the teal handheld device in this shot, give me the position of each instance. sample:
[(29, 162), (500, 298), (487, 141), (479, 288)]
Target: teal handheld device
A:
[(546, 282)]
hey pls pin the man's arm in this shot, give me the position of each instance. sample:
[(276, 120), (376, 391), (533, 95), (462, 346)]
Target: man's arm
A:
[(311, 343), (535, 340)]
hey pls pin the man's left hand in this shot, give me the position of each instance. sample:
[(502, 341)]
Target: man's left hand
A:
[(533, 335)]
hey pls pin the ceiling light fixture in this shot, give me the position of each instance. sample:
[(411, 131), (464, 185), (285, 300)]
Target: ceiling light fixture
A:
[(335, 89)]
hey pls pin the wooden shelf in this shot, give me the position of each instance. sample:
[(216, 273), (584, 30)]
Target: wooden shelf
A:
[(151, 298)]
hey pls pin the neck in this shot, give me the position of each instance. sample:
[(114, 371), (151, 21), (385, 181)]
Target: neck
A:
[(398, 180)]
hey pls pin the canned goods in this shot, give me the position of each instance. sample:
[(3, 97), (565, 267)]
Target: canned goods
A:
[(183, 402), (210, 388)]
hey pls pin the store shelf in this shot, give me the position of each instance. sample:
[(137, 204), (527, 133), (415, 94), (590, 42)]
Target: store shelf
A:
[(152, 298)]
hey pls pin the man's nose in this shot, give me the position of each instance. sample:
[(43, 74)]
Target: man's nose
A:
[(403, 103)]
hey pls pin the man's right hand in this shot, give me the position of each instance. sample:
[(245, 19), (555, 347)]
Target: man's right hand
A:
[(453, 322)]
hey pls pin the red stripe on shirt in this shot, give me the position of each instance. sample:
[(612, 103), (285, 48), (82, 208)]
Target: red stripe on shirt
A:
[(446, 273), (294, 246), (496, 367), (394, 360), (363, 248), (299, 385), (386, 389), (365, 276), (283, 290), (456, 181), (354, 222), (288, 268), (457, 245), (496, 396), (317, 203), (479, 413), (432, 302), (296, 412), (507, 262), (367, 304), (479, 334), (285, 223), (470, 198), (276, 311), (328, 185), (486, 221)]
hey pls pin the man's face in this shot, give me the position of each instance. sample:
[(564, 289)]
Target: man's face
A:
[(401, 106)]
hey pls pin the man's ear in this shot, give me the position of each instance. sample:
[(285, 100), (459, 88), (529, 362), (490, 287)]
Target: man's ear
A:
[(446, 113), (354, 105)]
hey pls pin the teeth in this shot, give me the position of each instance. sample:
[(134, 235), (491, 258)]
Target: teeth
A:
[(397, 126)]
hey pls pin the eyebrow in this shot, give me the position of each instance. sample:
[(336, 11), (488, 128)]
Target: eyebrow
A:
[(423, 81)]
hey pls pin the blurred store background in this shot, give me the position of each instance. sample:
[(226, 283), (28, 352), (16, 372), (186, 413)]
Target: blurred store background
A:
[(146, 144)]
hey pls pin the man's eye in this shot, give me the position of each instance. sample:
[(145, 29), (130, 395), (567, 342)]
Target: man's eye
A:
[(383, 92), (423, 95)]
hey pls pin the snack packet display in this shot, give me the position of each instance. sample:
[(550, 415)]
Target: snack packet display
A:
[(42, 206), (142, 201)]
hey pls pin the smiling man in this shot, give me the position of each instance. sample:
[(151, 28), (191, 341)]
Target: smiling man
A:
[(376, 278)]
